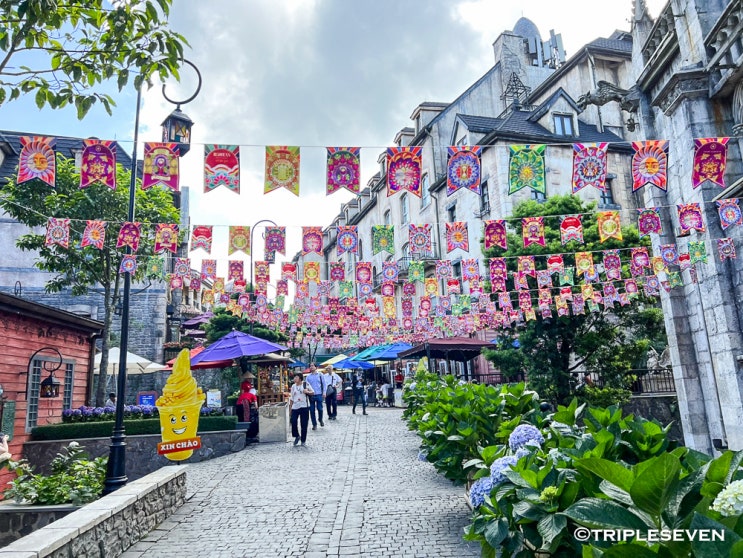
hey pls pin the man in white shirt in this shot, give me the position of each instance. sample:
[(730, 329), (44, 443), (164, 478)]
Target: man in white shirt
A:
[(317, 383), (333, 383), (299, 407)]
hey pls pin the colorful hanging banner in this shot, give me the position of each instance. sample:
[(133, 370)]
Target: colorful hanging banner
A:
[(57, 232), (160, 165), (166, 238), (383, 239), (416, 271), (690, 217), (648, 221), (390, 271), (555, 263), (457, 237), (337, 271), (589, 166), (526, 168), (470, 269), (37, 160), (710, 160), (609, 225), (235, 269), (698, 252), (156, 267), (583, 262), (182, 267), (612, 265), (282, 169), (348, 239), (443, 269), (345, 289), (201, 237), (495, 234), (312, 271), (726, 249), (420, 238), (208, 269), (129, 236), (239, 239), (463, 169), (94, 234), (222, 167), (729, 212), (289, 271), (650, 164), (669, 254), (527, 265), (404, 170), (571, 228), (98, 163), (343, 169), (275, 240), (431, 286), (363, 272), (128, 264), (640, 257), (312, 240), (533, 231)]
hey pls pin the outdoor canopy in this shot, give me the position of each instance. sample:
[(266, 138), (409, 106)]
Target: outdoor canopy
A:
[(237, 344), (460, 349), (390, 352), (202, 365), (135, 364), (348, 364)]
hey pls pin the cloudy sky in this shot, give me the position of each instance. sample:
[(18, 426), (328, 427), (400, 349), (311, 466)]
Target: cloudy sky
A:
[(315, 73)]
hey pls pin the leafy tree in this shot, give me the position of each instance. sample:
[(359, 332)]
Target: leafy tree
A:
[(83, 269), (609, 341), (64, 51)]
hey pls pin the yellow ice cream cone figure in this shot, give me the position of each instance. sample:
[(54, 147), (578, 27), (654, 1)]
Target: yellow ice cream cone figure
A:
[(180, 407)]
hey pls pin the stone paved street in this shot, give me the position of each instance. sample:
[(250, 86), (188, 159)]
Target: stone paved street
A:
[(357, 489)]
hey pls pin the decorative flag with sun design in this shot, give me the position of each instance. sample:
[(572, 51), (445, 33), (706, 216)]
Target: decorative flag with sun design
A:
[(239, 239), (166, 237), (729, 212), (457, 237), (37, 160), (648, 221), (160, 165), (495, 234), (404, 170), (589, 166), (650, 164), (609, 225), (526, 168), (383, 239), (463, 169), (128, 264), (419, 238), (282, 169), (343, 169), (312, 240), (98, 163), (129, 236), (690, 217), (57, 232), (347, 239), (94, 234)]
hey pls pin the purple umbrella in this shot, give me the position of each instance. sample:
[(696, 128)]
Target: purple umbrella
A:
[(237, 344), (198, 320)]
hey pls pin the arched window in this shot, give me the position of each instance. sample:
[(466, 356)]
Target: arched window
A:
[(387, 217), (404, 209), (425, 194)]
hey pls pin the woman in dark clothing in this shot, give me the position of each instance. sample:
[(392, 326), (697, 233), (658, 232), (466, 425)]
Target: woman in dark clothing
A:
[(358, 392)]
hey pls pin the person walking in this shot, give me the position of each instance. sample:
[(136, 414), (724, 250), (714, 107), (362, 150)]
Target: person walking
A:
[(299, 408), (317, 383), (358, 392), (333, 383)]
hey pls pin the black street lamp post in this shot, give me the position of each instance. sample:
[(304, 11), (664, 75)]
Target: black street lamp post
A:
[(116, 467)]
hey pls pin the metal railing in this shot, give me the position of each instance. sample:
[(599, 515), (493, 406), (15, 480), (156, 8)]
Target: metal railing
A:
[(653, 380)]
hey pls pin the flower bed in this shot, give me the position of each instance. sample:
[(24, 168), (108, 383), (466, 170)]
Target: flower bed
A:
[(99, 414), (551, 484)]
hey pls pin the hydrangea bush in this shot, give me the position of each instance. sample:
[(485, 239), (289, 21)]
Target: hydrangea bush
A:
[(94, 414)]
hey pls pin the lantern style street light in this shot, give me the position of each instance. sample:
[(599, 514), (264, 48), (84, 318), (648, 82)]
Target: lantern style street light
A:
[(178, 127)]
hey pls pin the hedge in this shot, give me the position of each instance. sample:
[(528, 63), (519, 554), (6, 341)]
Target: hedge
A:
[(102, 429)]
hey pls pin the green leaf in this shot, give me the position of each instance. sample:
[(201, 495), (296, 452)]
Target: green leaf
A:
[(610, 471), (712, 548), (629, 551), (550, 526), (40, 98), (496, 531), (656, 485), (603, 514)]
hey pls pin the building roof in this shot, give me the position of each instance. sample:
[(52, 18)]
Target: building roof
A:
[(49, 314), (10, 143)]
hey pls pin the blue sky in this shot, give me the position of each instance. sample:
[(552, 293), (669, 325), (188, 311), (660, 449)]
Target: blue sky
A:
[(315, 73)]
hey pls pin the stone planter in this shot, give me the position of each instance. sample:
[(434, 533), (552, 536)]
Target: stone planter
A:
[(19, 520)]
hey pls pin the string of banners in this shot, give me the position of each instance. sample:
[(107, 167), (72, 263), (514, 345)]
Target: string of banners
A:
[(527, 167)]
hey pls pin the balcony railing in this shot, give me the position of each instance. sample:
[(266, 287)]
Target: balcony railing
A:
[(659, 380)]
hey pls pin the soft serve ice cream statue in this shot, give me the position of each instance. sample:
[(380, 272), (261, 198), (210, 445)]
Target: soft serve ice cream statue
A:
[(179, 407)]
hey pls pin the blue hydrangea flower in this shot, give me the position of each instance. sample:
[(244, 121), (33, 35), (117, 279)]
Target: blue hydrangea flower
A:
[(523, 435), (500, 465), (77, 413), (480, 488), (98, 411), (147, 410), (108, 409), (87, 412), (422, 456), (522, 452), (136, 409), (67, 413)]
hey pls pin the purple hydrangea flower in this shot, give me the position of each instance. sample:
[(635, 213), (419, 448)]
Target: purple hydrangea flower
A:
[(147, 410), (98, 411), (67, 413), (523, 435), (480, 488), (522, 452), (108, 409), (136, 409), (499, 465), (77, 412), (87, 412), (422, 456)]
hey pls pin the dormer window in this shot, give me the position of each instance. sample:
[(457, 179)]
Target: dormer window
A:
[(563, 124)]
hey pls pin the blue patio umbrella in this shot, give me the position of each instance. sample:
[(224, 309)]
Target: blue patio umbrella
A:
[(298, 364), (390, 352), (366, 353), (348, 364), (237, 344)]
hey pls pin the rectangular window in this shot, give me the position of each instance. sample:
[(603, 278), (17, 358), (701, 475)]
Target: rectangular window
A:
[(32, 413), (404, 209), (451, 213), (457, 269), (607, 198), (484, 198), (425, 193), (69, 375), (538, 196), (563, 124)]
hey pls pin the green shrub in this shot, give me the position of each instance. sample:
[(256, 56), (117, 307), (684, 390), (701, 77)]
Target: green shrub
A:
[(75, 479), (67, 431)]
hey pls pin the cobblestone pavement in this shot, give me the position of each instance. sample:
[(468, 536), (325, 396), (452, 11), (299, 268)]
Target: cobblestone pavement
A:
[(356, 489)]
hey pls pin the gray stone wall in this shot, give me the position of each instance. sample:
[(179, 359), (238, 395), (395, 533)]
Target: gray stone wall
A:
[(663, 408), (141, 451), (17, 521)]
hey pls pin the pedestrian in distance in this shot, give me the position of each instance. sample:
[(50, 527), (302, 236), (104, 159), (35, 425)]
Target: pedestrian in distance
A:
[(316, 381), (333, 383), (358, 392), (111, 402), (299, 408)]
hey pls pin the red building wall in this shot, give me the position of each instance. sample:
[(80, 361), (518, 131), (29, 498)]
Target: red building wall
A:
[(20, 337)]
